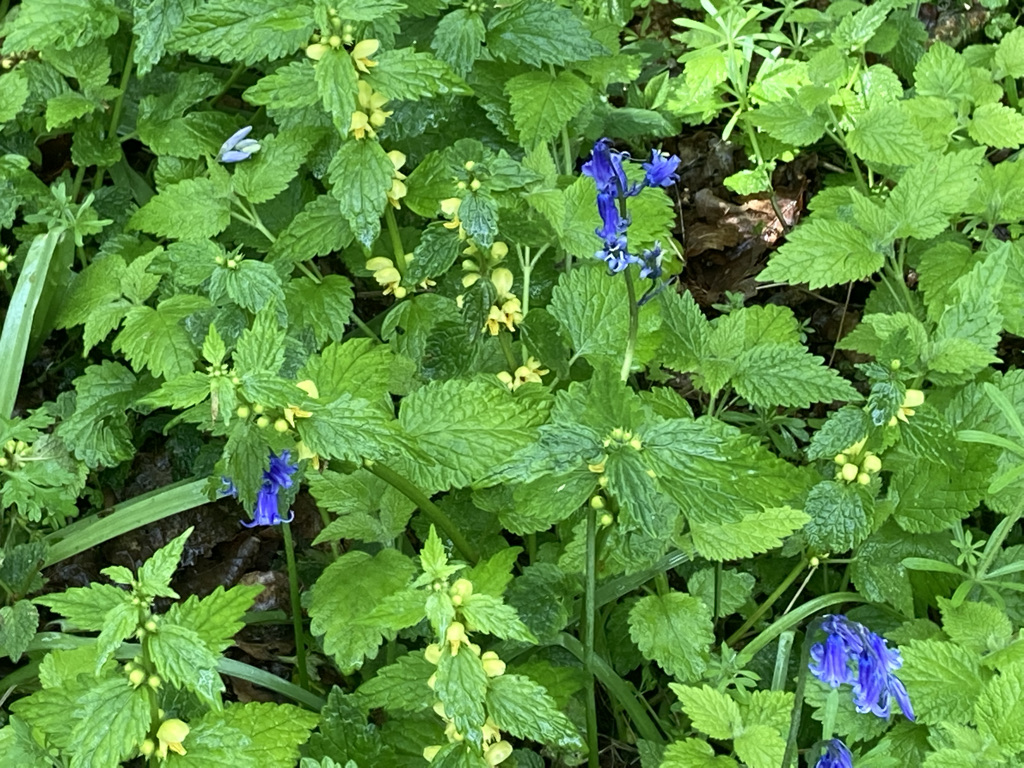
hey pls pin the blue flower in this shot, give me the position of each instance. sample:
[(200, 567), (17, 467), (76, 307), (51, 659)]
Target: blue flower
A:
[(615, 255), (660, 170), (276, 477), (605, 168), (836, 756), (855, 655), (237, 147), (650, 261), (613, 224)]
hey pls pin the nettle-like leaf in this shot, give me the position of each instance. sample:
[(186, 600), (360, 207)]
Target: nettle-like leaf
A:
[(226, 31), (360, 175), (536, 32), (822, 252), (193, 209), (405, 74), (943, 680), (18, 624), (458, 39), (542, 103), (42, 24), (349, 590), (524, 708), (675, 630)]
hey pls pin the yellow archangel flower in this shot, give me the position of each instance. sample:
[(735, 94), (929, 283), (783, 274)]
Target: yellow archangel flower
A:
[(398, 189), (170, 735), (508, 310), (387, 275), (370, 114), (361, 53), (913, 399), (529, 373)]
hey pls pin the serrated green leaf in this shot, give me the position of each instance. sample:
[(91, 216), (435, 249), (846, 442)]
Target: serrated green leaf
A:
[(193, 209), (1001, 706), (399, 687), (348, 590), (997, 126), (694, 753), (885, 134), (930, 191), (86, 607), (99, 431), (536, 32), (710, 711), (780, 374), (109, 721), (839, 520), (1009, 56), (360, 175), (487, 613), (217, 617), (18, 624), (458, 39), (61, 24), (183, 660), (789, 122), (405, 74), (227, 31), (336, 82), (747, 536), (272, 733), (156, 338), (674, 630), (941, 72), (250, 284), (979, 627), (292, 86), (267, 174), (437, 250), (67, 107), (317, 230), (155, 22), (543, 103), (760, 746), (942, 679), (325, 306), (525, 709), (461, 687), (155, 574), (822, 252), (14, 93)]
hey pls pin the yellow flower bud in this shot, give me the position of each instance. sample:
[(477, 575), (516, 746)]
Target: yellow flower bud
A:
[(841, 459), (378, 263), (462, 587), (849, 472), (597, 502), (605, 520), (262, 422), (502, 279), (439, 710), (137, 677), (335, 41), (316, 51), (170, 735), (493, 666), (499, 250), (432, 653), (863, 478), (871, 463), (913, 399), (281, 425), (147, 748), (455, 636)]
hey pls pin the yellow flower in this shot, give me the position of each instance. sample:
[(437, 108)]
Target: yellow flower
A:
[(387, 275), (398, 189), (450, 208), (508, 314), (529, 373), (498, 753), (293, 412), (913, 399), (170, 735), (502, 279), (370, 114), (316, 51), (361, 53)]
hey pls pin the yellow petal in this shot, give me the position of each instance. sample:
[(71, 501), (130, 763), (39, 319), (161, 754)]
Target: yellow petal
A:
[(309, 387), (502, 279), (450, 206), (379, 262), (388, 275), (397, 158), (913, 399), (365, 48)]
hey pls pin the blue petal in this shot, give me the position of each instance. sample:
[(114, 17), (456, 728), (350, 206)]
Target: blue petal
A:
[(660, 170), (233, 156), (836, 756)]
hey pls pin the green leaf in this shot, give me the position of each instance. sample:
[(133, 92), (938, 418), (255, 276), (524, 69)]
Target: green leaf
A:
[(405, 74), (67, 107), (942, 72), (822, 252), (997, 126), (979, 627), (710, 711), (674, 630), (155, 22), (593, 307), (885, 134), (250, 284), (86, 607), (461, 687), (272, 733), (60, 24), (18, 624), (99, 431), (486, 613), (14, 92), (543, 103), (465, 429), (536, 32), (399, 687), (942, 679), (1009, 56), (109, 721), (781, 374), (261, 29), (155, 574), (317, 230), (458, 39), (479, 215), (325, 306), (292, 86), (360, 175), (525, 709), (156, 338), (183, 660), (1001, 706), (930, 191), (216, 618), (839, 520), (750, 535), (336, 82), (193, 209), (348, 590), (789, 122), (435, 253), (267, 174), (694, 753), (735, 588), (685, 331)]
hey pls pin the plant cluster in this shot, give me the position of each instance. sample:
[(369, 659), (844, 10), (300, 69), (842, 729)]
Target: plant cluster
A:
[(385, 255)]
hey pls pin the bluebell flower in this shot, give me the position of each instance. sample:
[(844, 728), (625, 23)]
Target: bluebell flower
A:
[(855, 655), (237, 147), (612, 222), (660, 170), (615, 255), (276, 477), (605, 168), (836, 756), (650, 262)]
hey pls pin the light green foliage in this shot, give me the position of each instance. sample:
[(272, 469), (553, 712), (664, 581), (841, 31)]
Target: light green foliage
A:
[(746, 536), (536, 32), (18, 624), (228, 32), (349, 590), (542, 104), (360, 176), (943, 679), (62, 25), (675, 631), (193, 209), (407, 74), (525, 709)]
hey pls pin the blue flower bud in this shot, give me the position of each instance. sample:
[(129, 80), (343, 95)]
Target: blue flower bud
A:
[(237, 147)]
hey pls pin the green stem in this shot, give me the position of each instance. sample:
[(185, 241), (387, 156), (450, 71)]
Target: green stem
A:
[(396, 240), (798, 698), (995, 543), (634, 323), (365, 328), (567, 151), (717, 608), (232, 78), (763, 608), (304, 269), (434, 513), (505, 342), (782, 660), (325, 517), (621, 690), (1010, 86), (590, 617), (828, 722), (115, 113), (293, 586)]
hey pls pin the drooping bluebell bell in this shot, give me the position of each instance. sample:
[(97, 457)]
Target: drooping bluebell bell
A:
[(660, 170), (855, 655), (276, 477), (238, 147), (836, 756), (605, 167)]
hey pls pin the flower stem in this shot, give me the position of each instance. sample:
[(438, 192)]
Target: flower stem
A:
[(590, 616), (434, 513), (396, 240), (798, 699), (293, 585), (634, 323), (763, 608), (115, 113), (505, 341)]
